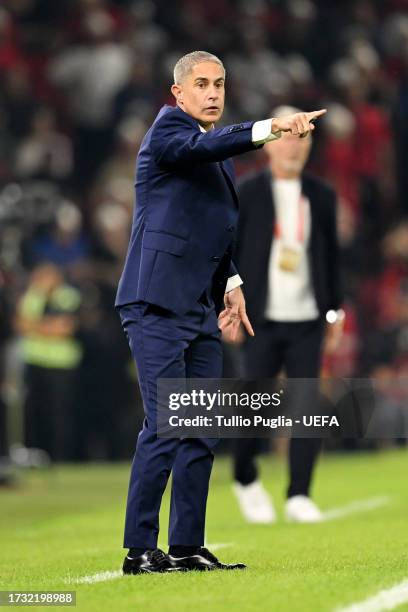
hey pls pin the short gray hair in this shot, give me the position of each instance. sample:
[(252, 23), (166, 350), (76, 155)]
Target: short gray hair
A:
[(186, 63)]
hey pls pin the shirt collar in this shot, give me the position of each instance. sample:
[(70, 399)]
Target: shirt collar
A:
[(204, 130)]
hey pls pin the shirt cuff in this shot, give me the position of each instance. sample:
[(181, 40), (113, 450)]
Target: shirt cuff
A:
[(262, 132), (233, 282), (332, 316)]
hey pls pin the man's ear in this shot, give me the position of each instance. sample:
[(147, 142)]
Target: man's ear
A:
[(177, 92)]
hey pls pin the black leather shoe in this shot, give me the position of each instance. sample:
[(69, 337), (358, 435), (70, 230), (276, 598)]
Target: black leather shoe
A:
[(203, 560), (152, 561)]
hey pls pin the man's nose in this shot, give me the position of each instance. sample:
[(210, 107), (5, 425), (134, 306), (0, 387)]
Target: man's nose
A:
[(213, 94)]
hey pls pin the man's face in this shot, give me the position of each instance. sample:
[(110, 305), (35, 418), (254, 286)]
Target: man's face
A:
[(202, 93), (289, 154)]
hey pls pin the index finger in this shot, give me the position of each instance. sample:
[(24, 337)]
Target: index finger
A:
[(315, 114), (223, 314), (247, 325)]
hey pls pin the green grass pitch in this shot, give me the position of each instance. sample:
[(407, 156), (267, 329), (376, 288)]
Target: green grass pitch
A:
[(67, 522)]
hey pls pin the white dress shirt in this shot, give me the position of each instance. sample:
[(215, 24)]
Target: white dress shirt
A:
[(290, 293)]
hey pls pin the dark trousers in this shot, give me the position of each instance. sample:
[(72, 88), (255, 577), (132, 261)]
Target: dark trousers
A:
[(49, 410), (165, 345), (296, 348)]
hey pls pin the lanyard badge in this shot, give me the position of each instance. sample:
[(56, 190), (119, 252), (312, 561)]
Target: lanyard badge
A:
[(290, 255)]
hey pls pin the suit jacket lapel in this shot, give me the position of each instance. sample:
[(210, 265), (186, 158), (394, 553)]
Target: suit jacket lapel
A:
[(270, 211), (306, 191), (266, 211)]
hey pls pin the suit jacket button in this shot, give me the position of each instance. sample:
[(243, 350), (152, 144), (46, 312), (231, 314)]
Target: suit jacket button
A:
[(215, 258)]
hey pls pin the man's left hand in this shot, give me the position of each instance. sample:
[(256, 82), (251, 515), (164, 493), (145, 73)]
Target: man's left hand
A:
[(332, 336), (233, 315)]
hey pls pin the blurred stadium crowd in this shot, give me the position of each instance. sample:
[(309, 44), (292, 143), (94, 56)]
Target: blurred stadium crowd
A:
[(80, 82)]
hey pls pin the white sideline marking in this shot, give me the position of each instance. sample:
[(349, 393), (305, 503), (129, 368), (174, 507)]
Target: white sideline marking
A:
[(356, 506), (100, 577), (219, 545), (388, 599), (113, 575)]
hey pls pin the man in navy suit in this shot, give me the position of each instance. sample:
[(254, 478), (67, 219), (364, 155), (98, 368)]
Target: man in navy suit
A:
[(179, 290)]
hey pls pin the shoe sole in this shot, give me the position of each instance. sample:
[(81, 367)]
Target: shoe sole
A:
[(182, 569), (213, 569), (170, 570)]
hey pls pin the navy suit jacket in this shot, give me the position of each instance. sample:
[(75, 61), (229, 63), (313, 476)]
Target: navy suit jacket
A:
[(185, 214)]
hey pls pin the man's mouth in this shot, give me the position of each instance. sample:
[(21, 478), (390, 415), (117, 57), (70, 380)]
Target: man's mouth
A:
[(212, 108)]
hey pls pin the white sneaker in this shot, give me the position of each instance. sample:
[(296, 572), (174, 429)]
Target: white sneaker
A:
[(302, 509), (254, 502)]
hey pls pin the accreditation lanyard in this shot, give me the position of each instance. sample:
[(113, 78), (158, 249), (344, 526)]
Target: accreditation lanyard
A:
[(300, 225)]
